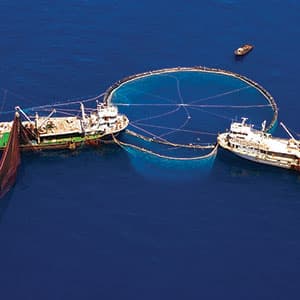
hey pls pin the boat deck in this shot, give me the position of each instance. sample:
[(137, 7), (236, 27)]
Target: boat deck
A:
[(59, 126)]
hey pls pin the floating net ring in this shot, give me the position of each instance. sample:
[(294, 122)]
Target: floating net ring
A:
[(177, 113)]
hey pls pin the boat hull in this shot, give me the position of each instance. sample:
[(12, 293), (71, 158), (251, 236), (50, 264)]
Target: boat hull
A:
[(255, 155), (55, 133), (267, 161), (243, 50), (70, 142)]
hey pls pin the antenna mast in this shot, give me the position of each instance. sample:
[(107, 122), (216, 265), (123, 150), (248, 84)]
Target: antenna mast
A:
[(18, 109), (284, 127)]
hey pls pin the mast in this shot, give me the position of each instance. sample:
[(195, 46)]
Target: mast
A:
[(244, 120), (84, 121), (263, 125), (287, 131), (18, 109), (82, 112)]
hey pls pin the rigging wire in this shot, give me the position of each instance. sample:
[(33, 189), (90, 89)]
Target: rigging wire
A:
[(3, 100), (183, 130), (176, 130), (193, 105), (213, 114), (57, 104), (157, 116), (221, 94), (148, 132)]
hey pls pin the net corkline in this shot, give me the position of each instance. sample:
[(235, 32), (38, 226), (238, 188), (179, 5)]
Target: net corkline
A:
[(125, 145), (176, 106)]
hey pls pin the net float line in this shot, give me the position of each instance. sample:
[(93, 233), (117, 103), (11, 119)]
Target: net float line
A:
[(124, 145), (165, 142)]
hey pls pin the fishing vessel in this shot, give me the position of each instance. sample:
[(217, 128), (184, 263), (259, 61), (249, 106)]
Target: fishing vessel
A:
[(243, 49), (54, 132), (259, 146), (60, 132)]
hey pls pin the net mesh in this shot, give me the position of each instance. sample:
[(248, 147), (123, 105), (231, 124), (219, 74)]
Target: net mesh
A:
[(10, 159)]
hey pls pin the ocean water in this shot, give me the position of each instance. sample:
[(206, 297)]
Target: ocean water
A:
[(91, 224)]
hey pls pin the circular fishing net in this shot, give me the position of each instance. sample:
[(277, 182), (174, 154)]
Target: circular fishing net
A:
[(177, 113)]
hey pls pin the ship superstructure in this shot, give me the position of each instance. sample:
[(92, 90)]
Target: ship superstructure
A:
[(259, 146)]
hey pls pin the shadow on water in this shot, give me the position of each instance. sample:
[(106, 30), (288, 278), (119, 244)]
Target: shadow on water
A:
[(108, 149), (238, 167), (173, 170), (238, 58)]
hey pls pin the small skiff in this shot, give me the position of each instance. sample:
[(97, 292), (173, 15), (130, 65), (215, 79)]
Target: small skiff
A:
[(243, 50)]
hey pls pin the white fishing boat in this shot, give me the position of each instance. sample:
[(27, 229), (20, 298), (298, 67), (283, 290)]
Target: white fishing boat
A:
[(259, 146)]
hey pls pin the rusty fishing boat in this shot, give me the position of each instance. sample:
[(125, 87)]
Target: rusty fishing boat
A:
[(57, 132), (243, 50), (261, 147), (52, 132)]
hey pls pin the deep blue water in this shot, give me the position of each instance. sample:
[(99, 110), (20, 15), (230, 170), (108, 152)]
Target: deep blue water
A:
[(90, 225)]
